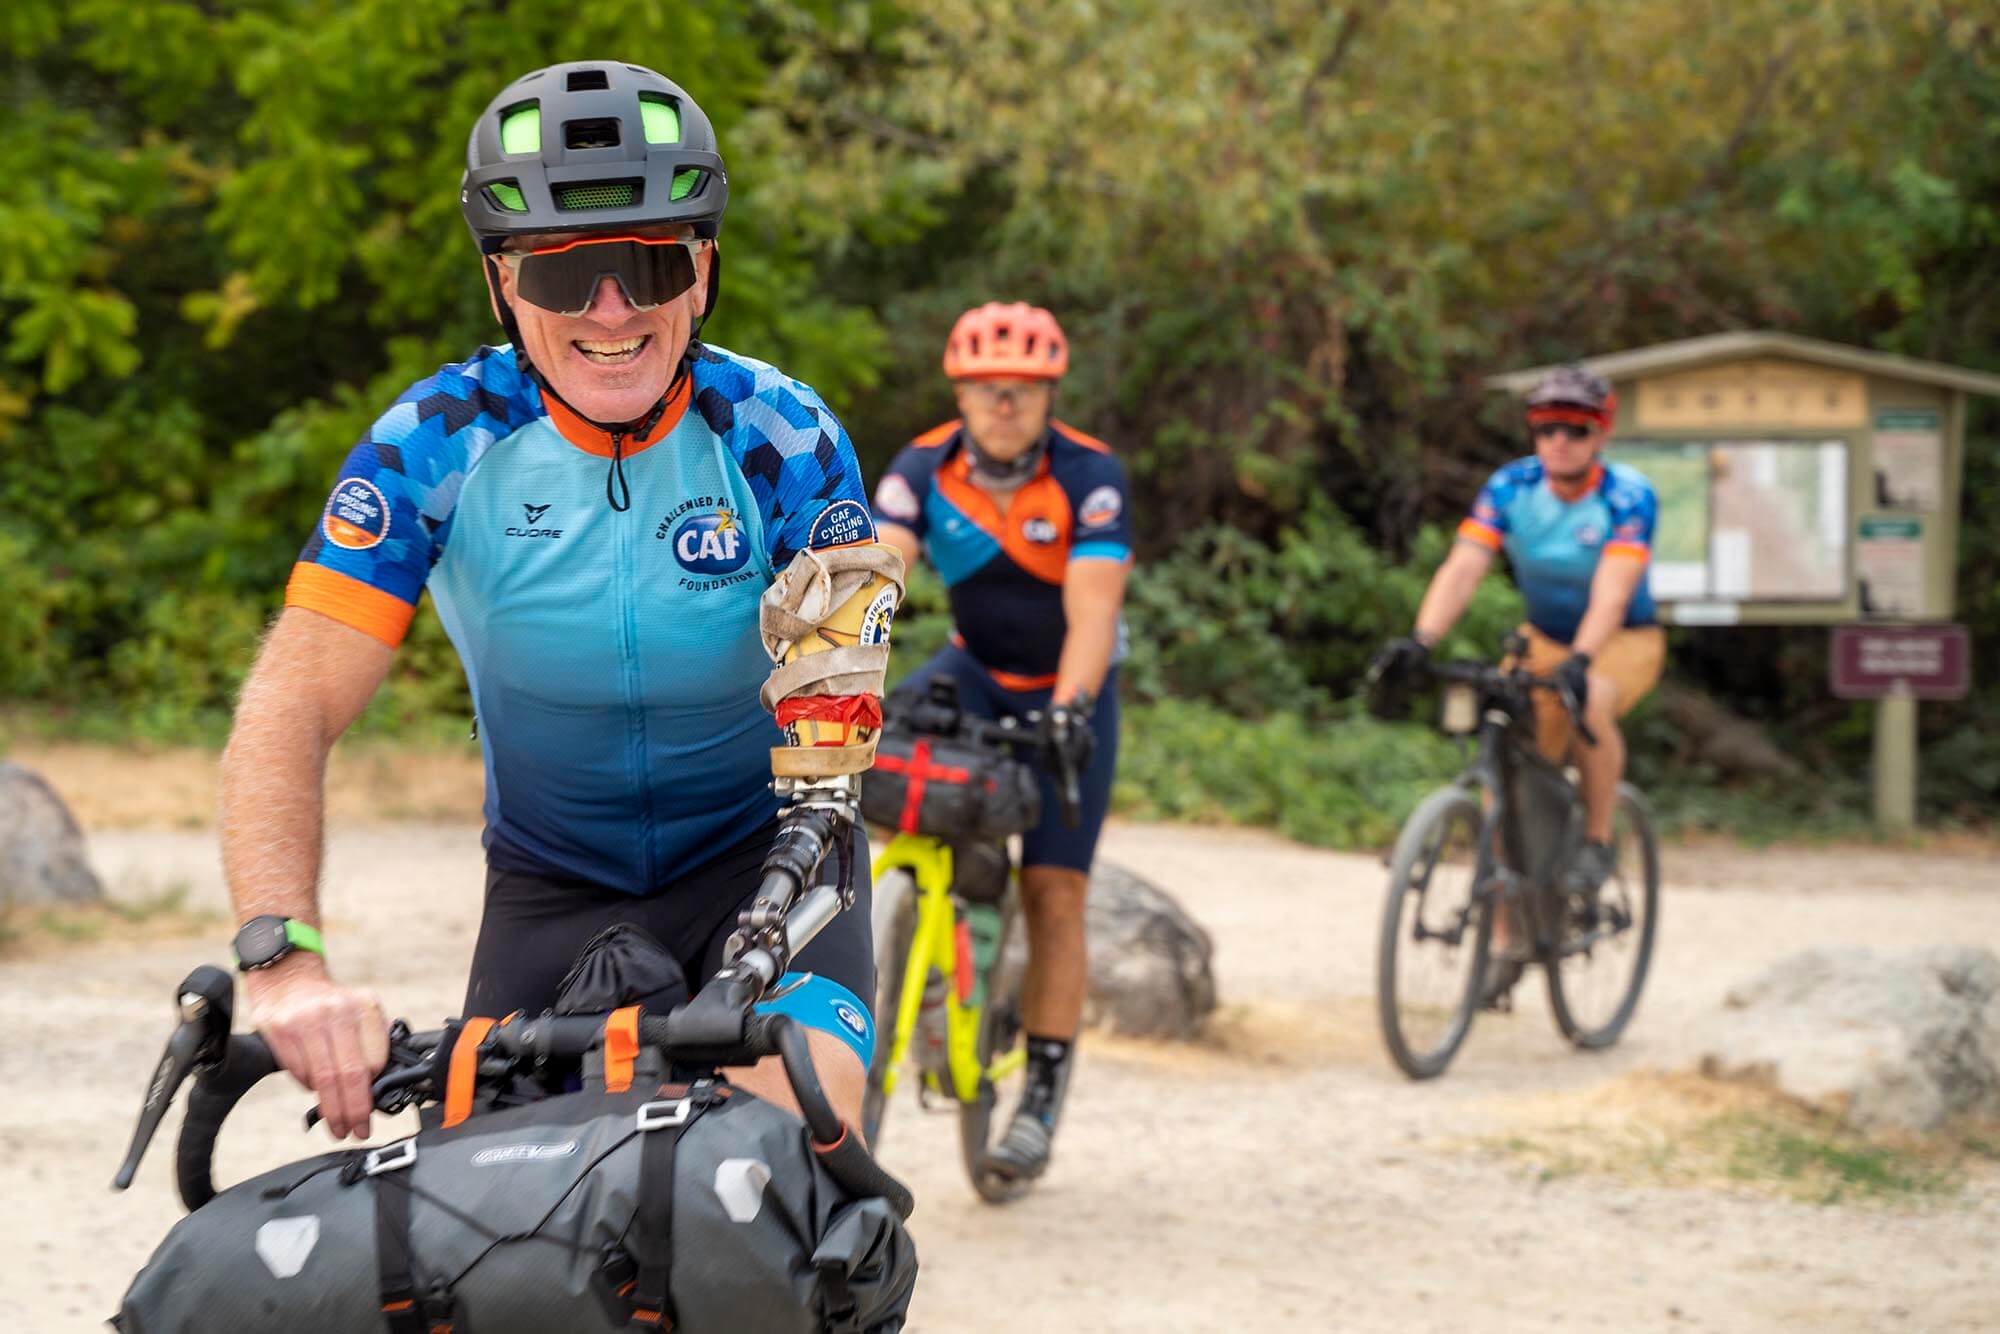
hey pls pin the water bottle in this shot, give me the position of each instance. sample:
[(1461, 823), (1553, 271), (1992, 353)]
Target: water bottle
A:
[(982, 928)]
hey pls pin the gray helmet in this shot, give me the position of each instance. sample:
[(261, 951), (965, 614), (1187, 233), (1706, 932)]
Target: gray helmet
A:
[(591, 146), (1572, 386)]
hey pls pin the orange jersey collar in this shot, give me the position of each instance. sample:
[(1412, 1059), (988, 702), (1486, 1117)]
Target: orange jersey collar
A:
[(1570, 495), (593, 439)]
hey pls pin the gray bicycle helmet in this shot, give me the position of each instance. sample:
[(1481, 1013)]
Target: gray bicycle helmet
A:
[(591, 146)]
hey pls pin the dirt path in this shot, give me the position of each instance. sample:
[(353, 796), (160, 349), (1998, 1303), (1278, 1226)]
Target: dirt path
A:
[(1282, 1177)]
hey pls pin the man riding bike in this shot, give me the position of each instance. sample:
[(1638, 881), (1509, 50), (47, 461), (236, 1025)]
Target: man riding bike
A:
[(1025, 518), (1578, 532), (610, 515)]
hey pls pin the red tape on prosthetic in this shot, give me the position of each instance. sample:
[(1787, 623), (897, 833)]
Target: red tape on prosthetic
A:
[(853, 710)]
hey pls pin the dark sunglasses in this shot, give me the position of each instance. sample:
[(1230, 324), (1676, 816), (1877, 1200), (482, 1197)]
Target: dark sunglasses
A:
[(1567, 430), (563, 278)]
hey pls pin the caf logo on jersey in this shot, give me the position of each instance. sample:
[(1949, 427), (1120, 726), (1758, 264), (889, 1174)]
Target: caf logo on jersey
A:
[(711, 543)]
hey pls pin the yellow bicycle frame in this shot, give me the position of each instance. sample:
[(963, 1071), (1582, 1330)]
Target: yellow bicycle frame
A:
[(935, 945)]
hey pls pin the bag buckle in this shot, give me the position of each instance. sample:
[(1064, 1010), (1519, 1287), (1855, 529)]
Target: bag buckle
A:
[(389, 1158), (665, 1115)]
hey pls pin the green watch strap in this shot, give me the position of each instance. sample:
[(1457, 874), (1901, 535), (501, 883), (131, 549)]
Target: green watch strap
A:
[(304, 937)]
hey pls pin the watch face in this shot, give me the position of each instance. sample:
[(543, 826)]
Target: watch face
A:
[(261, 941)]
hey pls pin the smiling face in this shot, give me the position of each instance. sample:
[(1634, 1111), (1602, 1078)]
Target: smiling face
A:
[(612, 363), (1568, 450)]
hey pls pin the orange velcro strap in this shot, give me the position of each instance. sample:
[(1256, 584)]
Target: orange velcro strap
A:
[(621, 1048), (464, 1072)]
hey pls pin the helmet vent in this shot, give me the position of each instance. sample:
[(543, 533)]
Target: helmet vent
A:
[(602, 133), (588, 80), (598, 194)]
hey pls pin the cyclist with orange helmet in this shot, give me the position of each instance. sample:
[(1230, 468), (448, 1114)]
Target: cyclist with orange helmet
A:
[(1026, 520)]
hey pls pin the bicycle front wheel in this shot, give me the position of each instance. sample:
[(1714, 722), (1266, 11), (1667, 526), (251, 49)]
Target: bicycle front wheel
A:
[(895, 927), (1604, 949), (1435, 934), (979, 1121)]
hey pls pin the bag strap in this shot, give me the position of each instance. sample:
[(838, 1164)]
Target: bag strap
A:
[(621, 1048), (405, 1308), (651, 1239), (462, 1074)]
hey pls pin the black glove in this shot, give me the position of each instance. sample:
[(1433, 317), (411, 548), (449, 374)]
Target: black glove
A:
[(1066, 734), (1391, 674), (1574, 677)]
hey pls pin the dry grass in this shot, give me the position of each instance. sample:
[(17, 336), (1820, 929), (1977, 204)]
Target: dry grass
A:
[(27, 933), (1273, 1034), (115, 787), (1687, 1130)]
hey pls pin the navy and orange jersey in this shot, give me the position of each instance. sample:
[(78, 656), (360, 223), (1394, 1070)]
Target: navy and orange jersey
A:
[(1554, 542), (1005, 572), (613, 655)]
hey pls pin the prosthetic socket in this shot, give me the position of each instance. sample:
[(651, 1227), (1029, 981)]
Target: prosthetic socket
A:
[(825, 623)]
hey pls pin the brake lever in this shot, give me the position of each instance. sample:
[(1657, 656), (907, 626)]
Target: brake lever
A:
[(207, 1002)]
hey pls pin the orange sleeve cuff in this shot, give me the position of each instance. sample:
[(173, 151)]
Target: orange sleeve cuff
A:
[(1474, 531), (348, 600), (1638, 551)]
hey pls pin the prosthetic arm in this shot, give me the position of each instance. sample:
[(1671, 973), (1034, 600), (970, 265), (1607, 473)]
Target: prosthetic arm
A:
[(825, 623)]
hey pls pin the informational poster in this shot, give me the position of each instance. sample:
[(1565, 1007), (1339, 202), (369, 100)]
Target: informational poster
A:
[(1889, 562), (1746, 520), (1909, 459)]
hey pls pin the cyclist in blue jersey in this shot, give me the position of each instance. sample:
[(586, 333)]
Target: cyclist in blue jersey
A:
[(604, 511), (1026, 520), (1578, 533)]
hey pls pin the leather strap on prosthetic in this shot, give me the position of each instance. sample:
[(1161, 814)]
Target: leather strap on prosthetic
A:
[(825, 624)]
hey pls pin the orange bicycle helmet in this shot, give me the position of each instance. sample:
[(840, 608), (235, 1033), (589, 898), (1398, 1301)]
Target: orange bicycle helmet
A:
[(1006, 338)]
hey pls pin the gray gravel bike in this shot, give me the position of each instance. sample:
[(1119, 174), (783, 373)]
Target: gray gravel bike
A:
[(1497, 840)]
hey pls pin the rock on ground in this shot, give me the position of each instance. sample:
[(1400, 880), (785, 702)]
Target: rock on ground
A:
[(1150, 963), (1904, 1041), (41, 847)]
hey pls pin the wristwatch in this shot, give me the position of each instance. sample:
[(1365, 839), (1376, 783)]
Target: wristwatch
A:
[(262, 941)]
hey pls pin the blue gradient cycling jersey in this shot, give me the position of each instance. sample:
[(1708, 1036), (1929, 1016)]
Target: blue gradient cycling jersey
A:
[(1004, 572), (613, 655), (1554, 543)]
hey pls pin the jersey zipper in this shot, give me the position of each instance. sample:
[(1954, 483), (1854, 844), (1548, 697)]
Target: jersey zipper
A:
[(624, 568)]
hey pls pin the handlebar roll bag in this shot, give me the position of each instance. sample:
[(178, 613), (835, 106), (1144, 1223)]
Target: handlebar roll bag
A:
[(558, 1215), (949, 790)]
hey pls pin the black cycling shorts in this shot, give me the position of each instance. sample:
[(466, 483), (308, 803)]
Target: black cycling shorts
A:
[(534, 927)]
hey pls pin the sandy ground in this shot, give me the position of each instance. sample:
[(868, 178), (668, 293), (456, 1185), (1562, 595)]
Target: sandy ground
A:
[(1284, 1177)]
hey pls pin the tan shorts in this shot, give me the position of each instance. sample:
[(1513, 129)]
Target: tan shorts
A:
[(1632, 661)]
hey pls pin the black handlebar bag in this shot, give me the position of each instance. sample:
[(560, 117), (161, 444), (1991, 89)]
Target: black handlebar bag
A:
[(698, 1208), (948, 789)]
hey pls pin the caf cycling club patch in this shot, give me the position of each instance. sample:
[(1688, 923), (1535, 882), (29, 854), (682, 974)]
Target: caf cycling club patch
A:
[(841, 524), (357, 515)]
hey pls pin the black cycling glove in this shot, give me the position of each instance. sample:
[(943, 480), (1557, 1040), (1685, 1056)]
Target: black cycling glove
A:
[(1391, 674), (1574, 677)]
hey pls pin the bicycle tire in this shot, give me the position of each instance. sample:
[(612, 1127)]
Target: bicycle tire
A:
[(999, 1029), (1428, 826), (1633, 816), (895, 928)]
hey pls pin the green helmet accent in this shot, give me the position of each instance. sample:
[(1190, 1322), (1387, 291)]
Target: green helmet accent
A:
[(608, 194), (521, 129), (684, 183), (509, 196), (661, 118)]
